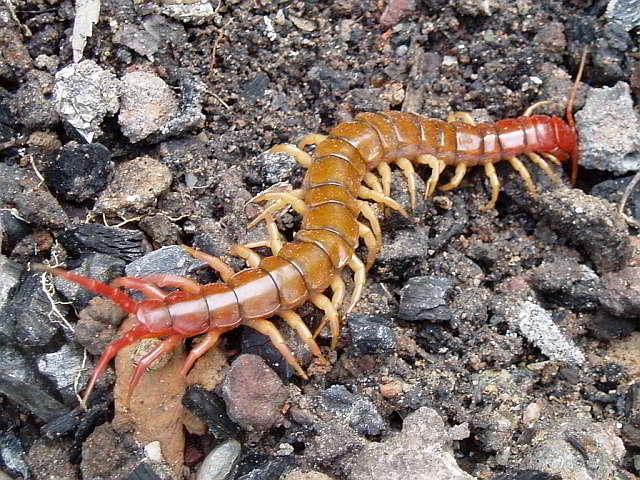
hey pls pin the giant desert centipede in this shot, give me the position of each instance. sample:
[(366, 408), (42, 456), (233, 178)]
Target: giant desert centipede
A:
[(339, 178)]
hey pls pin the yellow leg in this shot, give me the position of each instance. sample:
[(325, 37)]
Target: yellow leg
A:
[(437, 167), (311, 139), (524, 173), (295, 322), (410, 174), (302, 157), (359, 279), (460, 117), (461, 170), (490, 171), (539, 161), (372, 182), (270, 210), (529, 111), (330, 315), (338, 288), (225, 271), (370, 241), (282, 200), (267, 328), (274, 242), (251, 257), (368, 213), (379, 197), (385, 174), (552, 159)]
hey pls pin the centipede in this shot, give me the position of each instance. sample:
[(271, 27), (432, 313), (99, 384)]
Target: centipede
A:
[(334, 202)]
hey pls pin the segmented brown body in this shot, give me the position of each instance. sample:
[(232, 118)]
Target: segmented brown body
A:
[(330, 201)]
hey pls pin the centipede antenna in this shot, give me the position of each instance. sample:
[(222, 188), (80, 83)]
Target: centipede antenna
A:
[(575, 157), (572, 97)]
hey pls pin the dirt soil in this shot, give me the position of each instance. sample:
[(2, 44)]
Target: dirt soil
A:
[(267, 72)]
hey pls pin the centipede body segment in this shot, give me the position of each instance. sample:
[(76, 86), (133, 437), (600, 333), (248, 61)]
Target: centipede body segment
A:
[(334, 203)]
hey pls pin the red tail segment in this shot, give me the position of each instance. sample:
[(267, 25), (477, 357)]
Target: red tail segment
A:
[(116, 295)]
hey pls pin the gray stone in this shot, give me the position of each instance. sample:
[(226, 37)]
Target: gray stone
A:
[(173, 260), (136, 185), (62, 367), (535, 324), (425, 298), (422, 451), (148, 104), (625, 12), (84, 93), (609, 130), (576, 448), (355, 410)]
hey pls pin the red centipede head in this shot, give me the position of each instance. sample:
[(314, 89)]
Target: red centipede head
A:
[(566, 139)]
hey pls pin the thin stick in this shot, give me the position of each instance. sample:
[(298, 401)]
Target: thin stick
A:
[(627, 192)]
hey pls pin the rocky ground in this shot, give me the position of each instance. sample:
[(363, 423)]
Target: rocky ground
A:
[(489, 345)]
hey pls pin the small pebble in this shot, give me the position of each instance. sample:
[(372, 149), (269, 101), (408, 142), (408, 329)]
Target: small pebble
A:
[(136, 184), (221, 462), (153, 451), (425, 298), (84, 94), (620, 294), (254, 394), (370, 334), (148, 104)]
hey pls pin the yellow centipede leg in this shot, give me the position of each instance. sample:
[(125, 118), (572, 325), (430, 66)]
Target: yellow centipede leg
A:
[(293, 198), (311, 139), (370, 241), (460, 117), (379, 197), (251, 257), (283, 199), (295, 322), (539, 161), (302, 157), (338, 288), (368, 213), (270, 210), (490, 171), (552, 159), (461, 170), (372, 182), (359, 279), (225, 271), (267, 328), (274, 242), (385, 174), (330, 315), (519, 167), (410, 174), (529, 111), (437, 167)]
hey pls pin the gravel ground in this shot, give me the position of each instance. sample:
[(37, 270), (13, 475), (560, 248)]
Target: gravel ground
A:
[(489, 345)]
